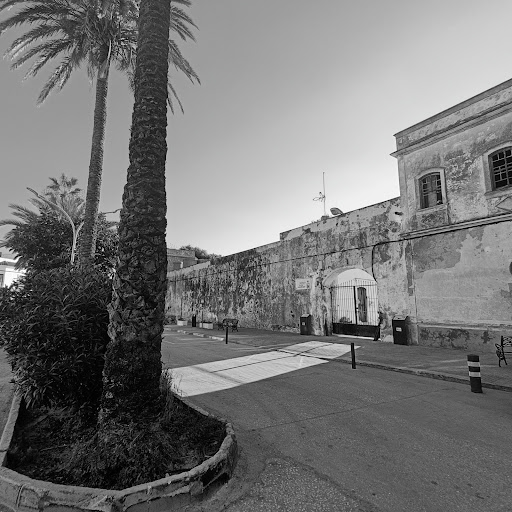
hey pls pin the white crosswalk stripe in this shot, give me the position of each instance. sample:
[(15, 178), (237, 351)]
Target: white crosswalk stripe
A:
[(230, 373)]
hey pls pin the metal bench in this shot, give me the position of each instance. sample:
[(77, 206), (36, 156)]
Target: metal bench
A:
[(505, 347), (228, 322)]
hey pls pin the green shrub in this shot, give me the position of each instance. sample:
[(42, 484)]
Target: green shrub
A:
[(54, 328)]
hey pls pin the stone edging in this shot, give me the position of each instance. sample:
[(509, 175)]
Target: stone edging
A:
[(427, 373), (20, 493)]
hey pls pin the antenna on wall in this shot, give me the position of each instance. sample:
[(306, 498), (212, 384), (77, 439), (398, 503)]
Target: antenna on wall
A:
[(321, 196)]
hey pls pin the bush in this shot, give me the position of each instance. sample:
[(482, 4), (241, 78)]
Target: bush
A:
[(54, 329)]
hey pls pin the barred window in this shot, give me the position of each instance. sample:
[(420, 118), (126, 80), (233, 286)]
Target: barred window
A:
[(431, 192), (500, 164)]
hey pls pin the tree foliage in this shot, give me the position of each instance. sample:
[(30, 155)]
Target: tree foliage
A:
[(90, 33), (42, 243), (45, 243), (54, 330), (95, 34), (201, 254), (42, 239)]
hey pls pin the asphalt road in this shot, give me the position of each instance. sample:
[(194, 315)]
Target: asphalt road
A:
[(317, 435)]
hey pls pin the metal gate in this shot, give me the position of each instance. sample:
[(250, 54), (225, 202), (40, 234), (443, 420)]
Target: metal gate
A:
[(354, 307)]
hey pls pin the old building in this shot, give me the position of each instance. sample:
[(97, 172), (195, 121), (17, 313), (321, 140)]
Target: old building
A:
[(180, 258), (439, 255), (455, 172), (8, 271)]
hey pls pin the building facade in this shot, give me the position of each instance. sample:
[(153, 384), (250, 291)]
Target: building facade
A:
[(180, 258), (8, 271), (440, 255)]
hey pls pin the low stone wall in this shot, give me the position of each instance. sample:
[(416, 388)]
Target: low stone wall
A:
[(19, 493), (474, 339)]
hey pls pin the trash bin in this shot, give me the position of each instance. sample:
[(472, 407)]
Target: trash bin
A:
[(305, 324), (399, 330), (194, 321)]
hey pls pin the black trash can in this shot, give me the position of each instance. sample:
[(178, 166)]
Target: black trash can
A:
[(306, 324), (399, 330), (194, 321)]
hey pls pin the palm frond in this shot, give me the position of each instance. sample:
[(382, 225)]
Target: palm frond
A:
[(30, 37), (53, 47), (38, 12), (176, 58), (173, 94), (60, 75), (180, 22)]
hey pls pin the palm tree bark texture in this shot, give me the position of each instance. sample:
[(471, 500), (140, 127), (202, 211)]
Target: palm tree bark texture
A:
[(88, 244), (132, 371)]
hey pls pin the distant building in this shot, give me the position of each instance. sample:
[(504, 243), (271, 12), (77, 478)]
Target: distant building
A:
[(8, 272), (180, 258)]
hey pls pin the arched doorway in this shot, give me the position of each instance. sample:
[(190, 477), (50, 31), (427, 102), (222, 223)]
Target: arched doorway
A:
[(354, 302)]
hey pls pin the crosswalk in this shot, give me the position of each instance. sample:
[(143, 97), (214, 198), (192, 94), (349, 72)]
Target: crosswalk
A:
[(229, 373)]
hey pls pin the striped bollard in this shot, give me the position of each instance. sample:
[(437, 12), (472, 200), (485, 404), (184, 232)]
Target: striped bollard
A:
[(474, 373)]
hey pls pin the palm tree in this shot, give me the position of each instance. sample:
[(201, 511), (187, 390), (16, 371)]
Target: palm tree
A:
[(64, 193), (62, 197), (131, 376), (97, 33)]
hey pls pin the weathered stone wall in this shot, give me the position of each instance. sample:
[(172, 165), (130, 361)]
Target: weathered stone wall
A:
[(447, 266), (258, 286)]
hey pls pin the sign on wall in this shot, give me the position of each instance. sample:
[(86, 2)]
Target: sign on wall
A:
[(302, 284)]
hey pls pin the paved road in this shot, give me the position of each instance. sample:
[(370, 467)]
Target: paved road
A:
[(319, 436)]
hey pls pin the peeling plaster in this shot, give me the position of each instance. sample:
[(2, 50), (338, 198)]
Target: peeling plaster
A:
[(437, 252)]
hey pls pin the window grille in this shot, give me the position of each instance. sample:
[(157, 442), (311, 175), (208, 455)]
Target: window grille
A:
[(501, 168), (431, 192)]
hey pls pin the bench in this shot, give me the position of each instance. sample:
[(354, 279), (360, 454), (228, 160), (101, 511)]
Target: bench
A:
[(505, 347), (228, 322)]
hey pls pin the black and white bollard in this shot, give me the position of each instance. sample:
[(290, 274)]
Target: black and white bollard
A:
[(474, 373), (227, 330)]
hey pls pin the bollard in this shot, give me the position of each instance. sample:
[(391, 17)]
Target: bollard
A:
[(474, 373), (227, 330), (353, 354)]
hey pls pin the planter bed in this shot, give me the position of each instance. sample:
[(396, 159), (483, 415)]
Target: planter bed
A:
[(23, 494)]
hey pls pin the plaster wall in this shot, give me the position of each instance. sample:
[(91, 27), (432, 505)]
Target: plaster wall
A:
[(462, 159), (463, 286), (258, 286)]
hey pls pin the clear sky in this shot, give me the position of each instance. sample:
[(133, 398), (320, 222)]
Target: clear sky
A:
[(290, 89)]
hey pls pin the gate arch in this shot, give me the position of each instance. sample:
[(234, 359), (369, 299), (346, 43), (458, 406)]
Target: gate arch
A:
[(354, 302)]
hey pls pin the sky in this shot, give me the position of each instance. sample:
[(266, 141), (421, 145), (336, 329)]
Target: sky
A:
[(291, 92)]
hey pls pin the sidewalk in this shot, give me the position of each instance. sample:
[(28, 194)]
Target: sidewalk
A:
[(437, 363)]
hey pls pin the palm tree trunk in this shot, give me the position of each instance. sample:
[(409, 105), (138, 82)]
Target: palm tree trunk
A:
[(92, 200), (131, 376)]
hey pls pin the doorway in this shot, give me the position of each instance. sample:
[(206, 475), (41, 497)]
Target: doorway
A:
[(354, 307)]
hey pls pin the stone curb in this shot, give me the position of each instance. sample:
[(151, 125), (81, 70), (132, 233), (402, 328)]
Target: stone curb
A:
[(201, 335), (381, 366), (19, 493), (427, 373), (8, 432)]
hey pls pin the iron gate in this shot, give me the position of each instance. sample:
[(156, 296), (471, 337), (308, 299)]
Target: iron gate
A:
[(354, 307)]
